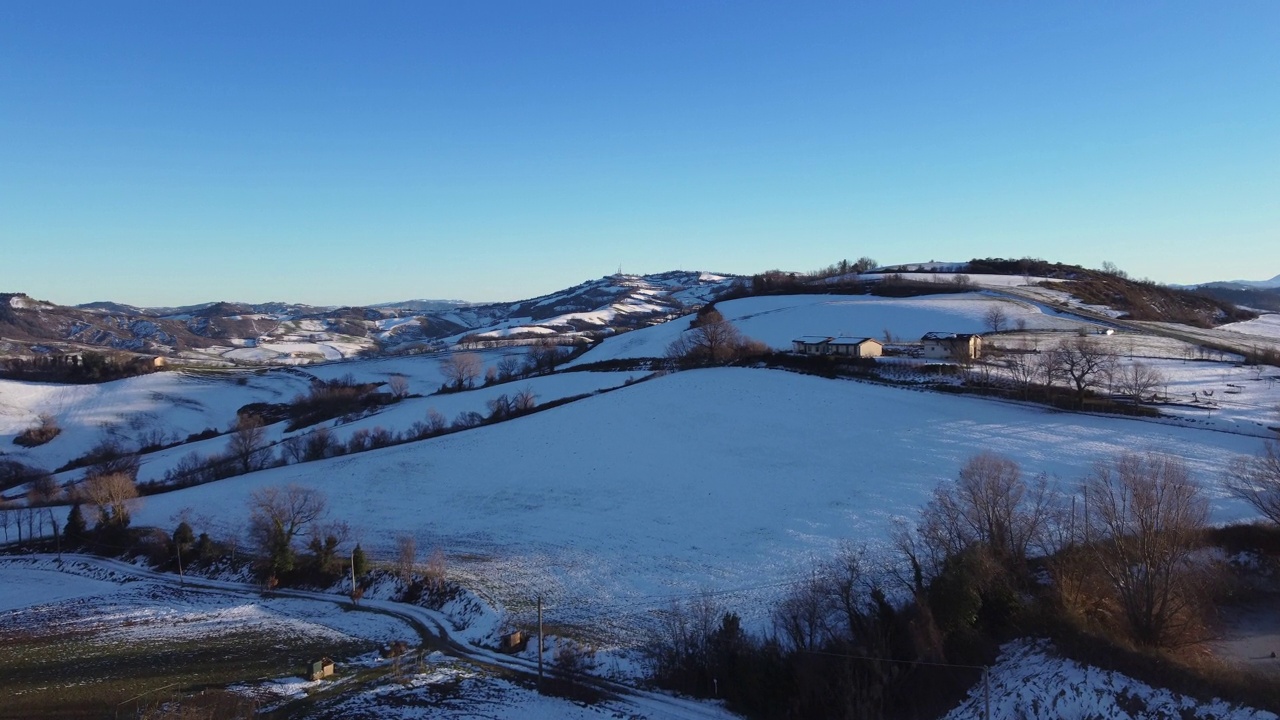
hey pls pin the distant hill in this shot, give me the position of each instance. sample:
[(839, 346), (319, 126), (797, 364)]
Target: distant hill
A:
[(277, 332), (1272, 284), (242, 331)]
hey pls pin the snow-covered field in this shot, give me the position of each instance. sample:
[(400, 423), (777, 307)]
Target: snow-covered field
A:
[(978, 279), (402, 415), (169, 403), (169, 406), (120, 608), (777, 320), (1267, 326), (728, 480)]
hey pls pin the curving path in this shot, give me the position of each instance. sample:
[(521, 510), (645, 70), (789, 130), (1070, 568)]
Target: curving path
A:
[(438, 635)]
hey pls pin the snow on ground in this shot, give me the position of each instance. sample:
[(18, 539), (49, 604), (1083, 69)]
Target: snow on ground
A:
[(1029, 681), (130, 610), (978, 279), (176, 404), (777, 320), (726, 479), (445, 688), (402, 415), (1267, 326), (1209, 388), (1060, 299), (24, 586), (296, 352), (172, 403)]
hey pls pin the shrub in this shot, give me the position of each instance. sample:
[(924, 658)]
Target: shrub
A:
[(45, 429)]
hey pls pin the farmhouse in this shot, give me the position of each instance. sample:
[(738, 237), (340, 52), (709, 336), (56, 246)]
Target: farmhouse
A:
[(811, 344), (840, 346), (856, 347), (951, 346)]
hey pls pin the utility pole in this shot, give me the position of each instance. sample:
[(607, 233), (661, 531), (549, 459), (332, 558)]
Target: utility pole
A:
[(539, 643), (181, 579), (986, 693)]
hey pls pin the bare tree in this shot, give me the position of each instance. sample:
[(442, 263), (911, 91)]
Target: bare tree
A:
[(399, 386), (1256, 480), (44, 490), (1138, 381), (864, 264), (5, 518), (543, 356), (461, 369), (1026, 370), (995, 317), (113, 495), (294, 449), (1110, 268), (1145, 516), (435, 422), (508, 367), (247, 445), (435, 571), (111, 457), (801, 618), (277, 515), (524, 401), (320, 444), (406, 557), (1082, 362), (851, 590), (992, 504), (714, 338)]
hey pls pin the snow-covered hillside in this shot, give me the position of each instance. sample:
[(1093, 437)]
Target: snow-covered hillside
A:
[(715, 479), (291, 334), (778, 319)]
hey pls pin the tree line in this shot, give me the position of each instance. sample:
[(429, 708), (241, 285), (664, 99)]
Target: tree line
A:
[(993, 555)]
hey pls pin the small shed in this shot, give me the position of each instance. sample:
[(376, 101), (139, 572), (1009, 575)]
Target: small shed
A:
[(856, 347), (513, 642), (321, 669)]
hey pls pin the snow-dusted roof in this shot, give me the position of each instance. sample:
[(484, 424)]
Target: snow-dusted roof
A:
[(813, 339), (948, 336), (852, 340)]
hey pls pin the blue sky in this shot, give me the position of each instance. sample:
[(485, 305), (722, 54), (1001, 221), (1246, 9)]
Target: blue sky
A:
[(169, 153)]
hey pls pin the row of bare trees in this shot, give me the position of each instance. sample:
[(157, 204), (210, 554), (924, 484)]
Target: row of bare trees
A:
[(1084, 366), (463, 370)]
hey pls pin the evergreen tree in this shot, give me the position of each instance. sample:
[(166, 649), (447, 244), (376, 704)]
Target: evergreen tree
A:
[(358, 561), (183, 536), (205, 549), (77, 530)]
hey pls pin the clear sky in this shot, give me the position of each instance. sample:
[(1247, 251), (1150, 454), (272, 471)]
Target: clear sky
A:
[(162, 153)]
